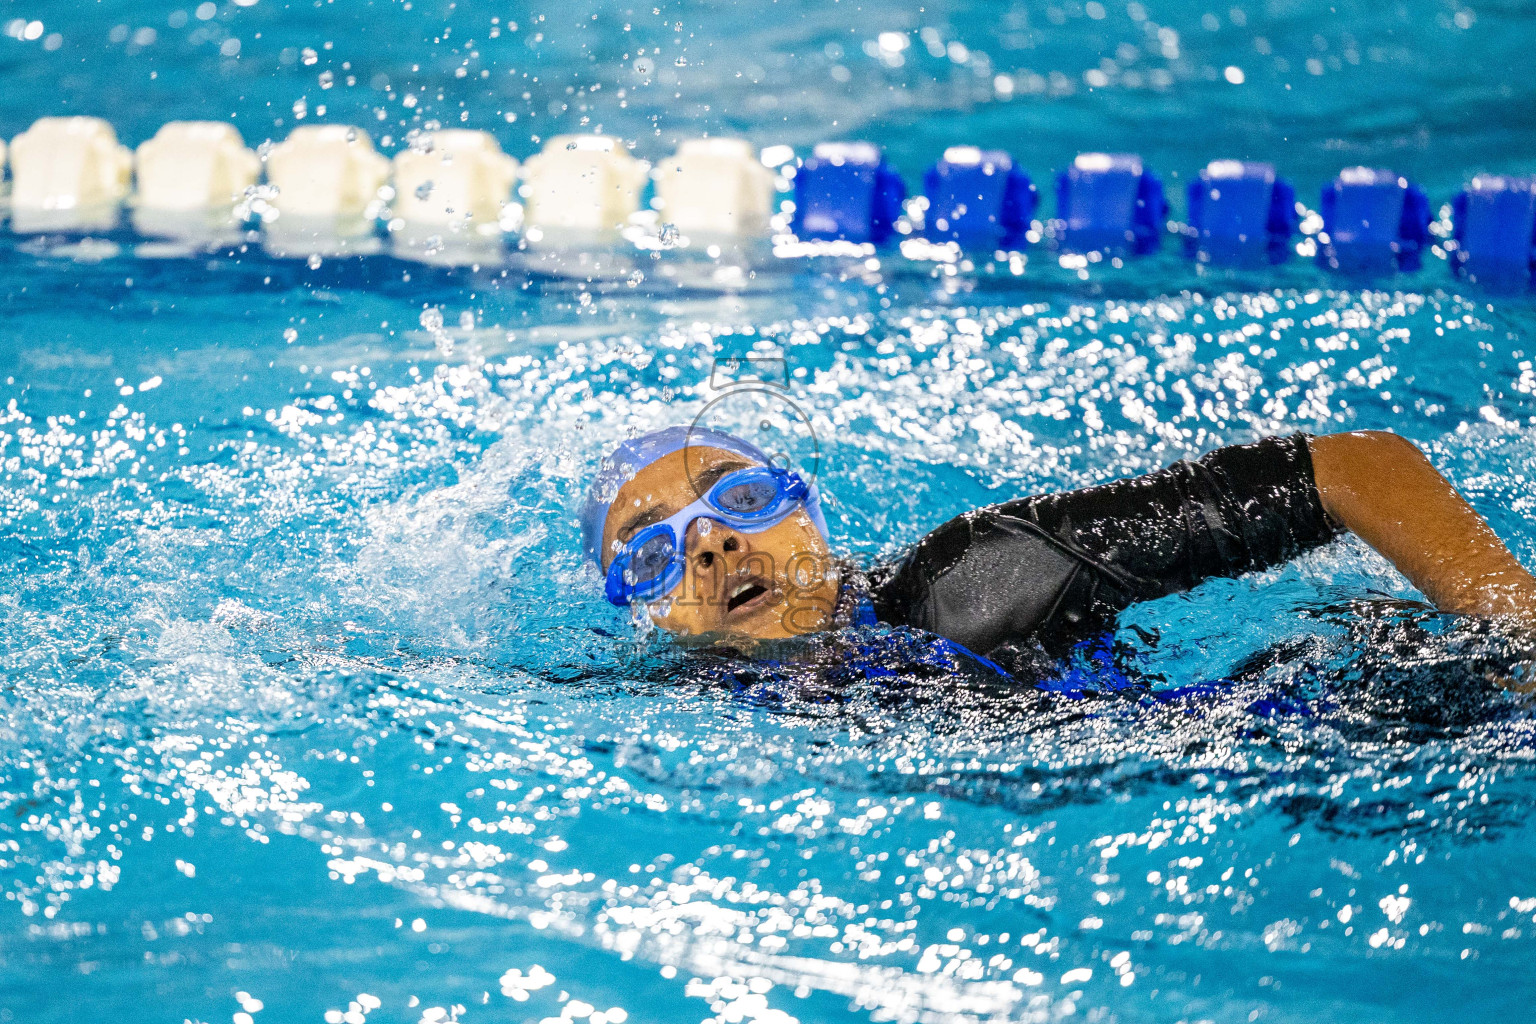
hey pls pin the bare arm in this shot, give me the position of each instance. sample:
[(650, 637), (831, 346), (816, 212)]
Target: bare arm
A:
[(1381, 487)]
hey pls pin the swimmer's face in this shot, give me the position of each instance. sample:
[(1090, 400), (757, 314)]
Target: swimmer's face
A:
[(776, 583)]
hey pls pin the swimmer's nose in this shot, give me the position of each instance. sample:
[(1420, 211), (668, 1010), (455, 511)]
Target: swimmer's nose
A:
[(715, 551), (708, 542)]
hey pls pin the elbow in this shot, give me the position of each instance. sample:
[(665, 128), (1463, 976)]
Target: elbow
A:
[(1346, 467)]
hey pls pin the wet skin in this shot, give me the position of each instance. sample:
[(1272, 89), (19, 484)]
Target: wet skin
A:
[(778, 583), (1380, 487)]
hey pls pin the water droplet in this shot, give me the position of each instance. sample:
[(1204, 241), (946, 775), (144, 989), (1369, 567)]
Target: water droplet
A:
[(314, 261), (432, 318), (466, 321), (635, 277), (681, 62), (290, 335), (424, 189), (668, 236), (704, 527)]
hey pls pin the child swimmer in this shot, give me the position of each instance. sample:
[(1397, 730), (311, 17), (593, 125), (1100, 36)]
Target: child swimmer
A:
[(718, 542)]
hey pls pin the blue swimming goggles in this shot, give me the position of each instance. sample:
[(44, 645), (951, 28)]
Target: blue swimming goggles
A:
[(651, 563)]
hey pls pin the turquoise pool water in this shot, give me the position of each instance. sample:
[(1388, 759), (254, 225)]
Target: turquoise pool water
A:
[(311, 712)]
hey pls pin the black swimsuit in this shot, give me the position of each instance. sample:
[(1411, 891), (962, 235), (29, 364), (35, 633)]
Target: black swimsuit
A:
[(1044, 572)]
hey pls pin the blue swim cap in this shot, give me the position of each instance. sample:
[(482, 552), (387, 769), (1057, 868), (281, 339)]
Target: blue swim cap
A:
[(630, 457)]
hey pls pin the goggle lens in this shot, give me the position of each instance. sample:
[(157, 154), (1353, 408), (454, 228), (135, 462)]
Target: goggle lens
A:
[(748, 497), (649, 560)]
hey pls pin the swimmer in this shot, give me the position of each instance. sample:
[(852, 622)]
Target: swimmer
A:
[(718, 542)]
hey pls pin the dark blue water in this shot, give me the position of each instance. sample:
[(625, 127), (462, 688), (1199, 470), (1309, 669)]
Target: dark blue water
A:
[(311, 711)]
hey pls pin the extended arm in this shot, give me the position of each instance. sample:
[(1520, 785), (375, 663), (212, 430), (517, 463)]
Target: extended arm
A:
[(1381, 487)]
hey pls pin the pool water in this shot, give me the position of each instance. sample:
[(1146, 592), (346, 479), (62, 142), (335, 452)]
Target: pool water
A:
[(310, 710)]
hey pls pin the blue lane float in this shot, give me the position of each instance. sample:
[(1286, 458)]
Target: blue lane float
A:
[(978, 198), (1495, 218), (1109, 202), (1374, 221), (845, 191), (1240, 213)]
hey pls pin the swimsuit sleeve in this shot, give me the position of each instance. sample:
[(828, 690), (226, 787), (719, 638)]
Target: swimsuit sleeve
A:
[(1053, 568)]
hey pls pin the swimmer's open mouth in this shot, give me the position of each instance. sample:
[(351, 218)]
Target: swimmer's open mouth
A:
[(745, 594)]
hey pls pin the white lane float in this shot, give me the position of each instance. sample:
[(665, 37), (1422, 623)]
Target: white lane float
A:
[(325, 194), (190, 177), (453, 188), (580, 185), (68, 174), (715, 188)]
